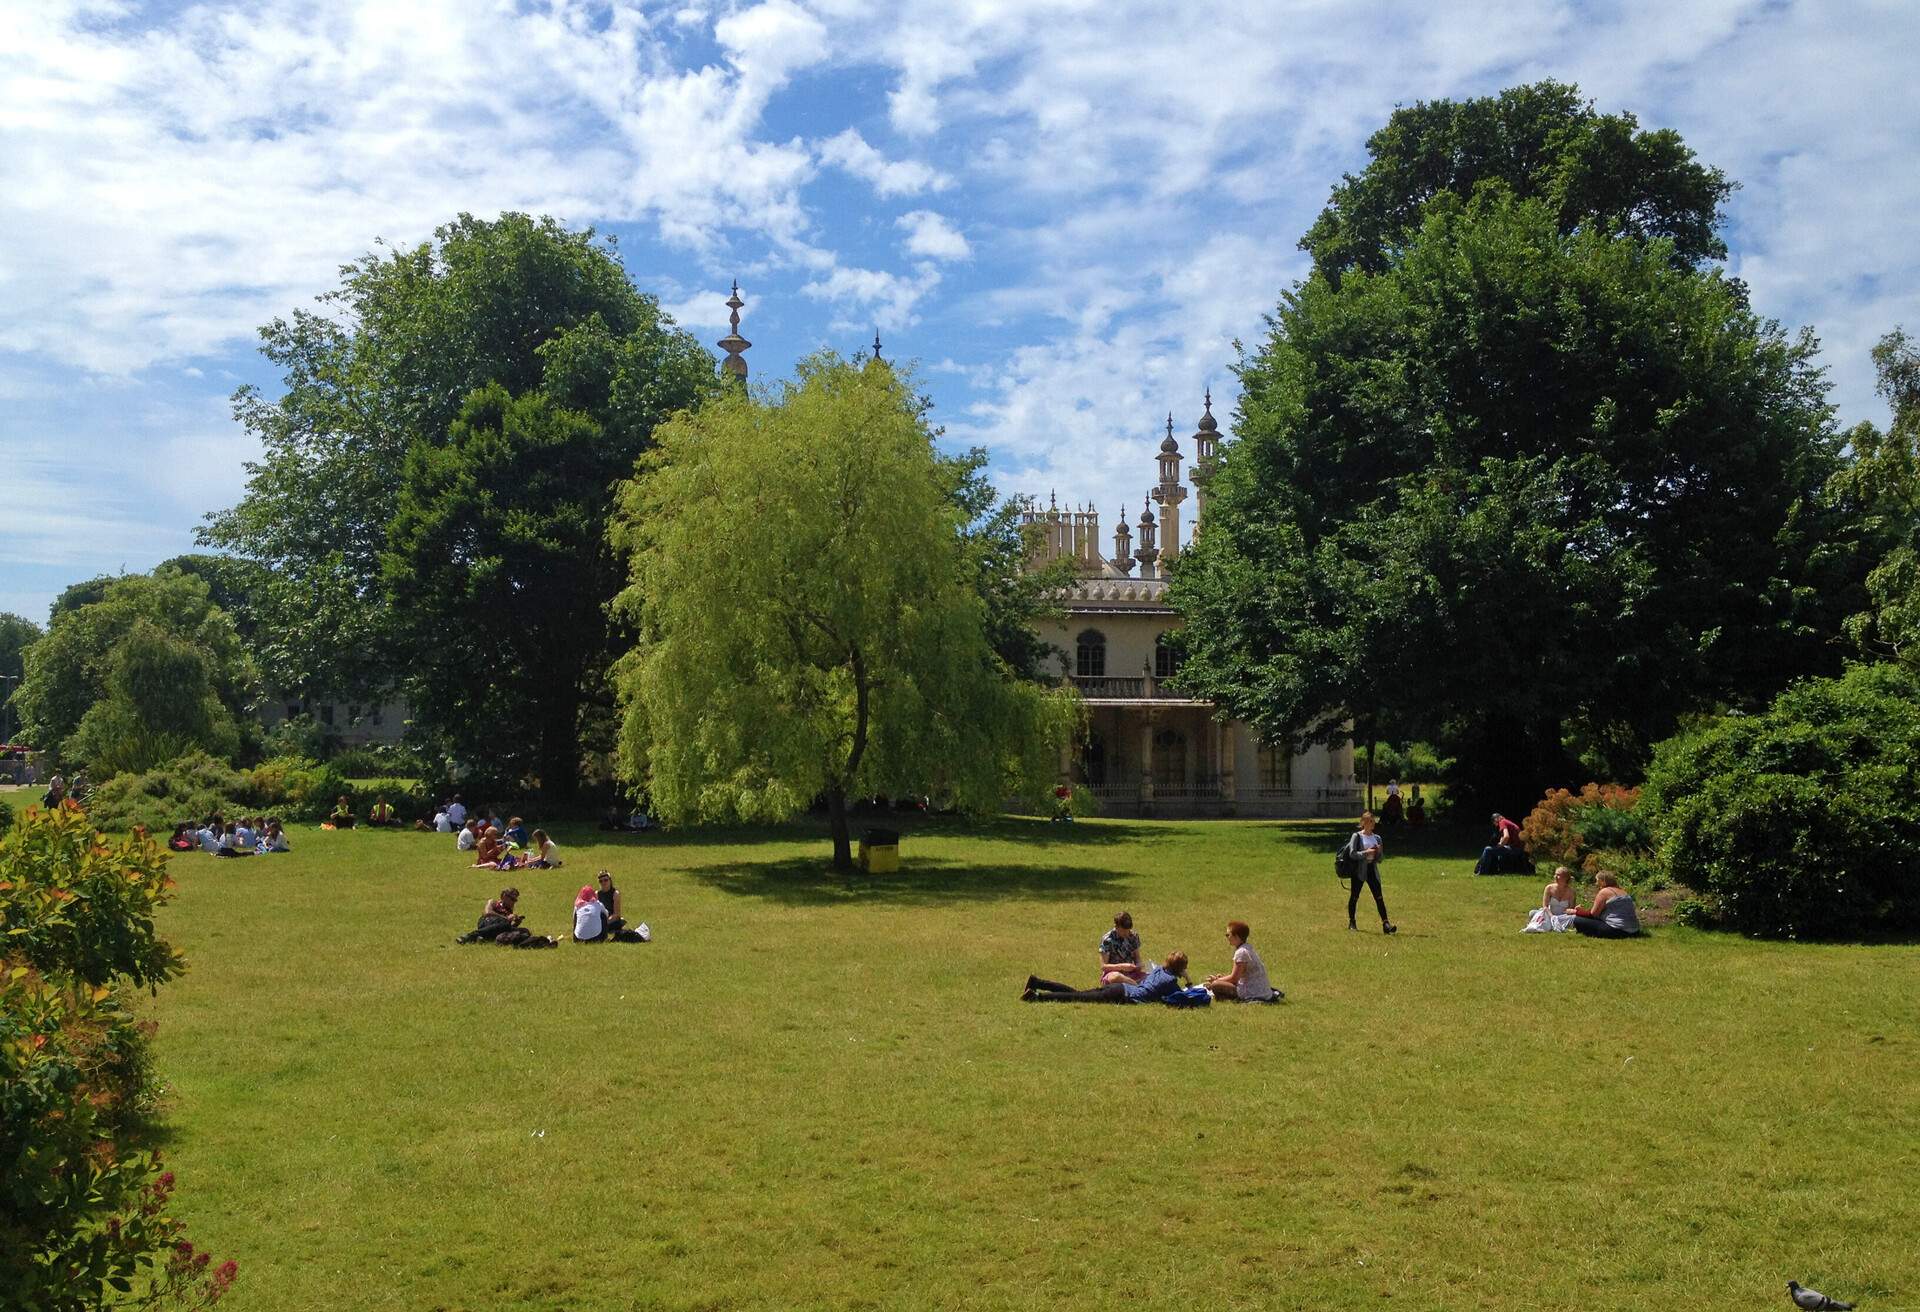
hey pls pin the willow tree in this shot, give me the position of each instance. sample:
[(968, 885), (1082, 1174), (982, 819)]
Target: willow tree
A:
[(806, 590)]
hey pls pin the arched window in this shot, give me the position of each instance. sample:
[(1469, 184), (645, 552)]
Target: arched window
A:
[(1090, 655), (1166, 660)]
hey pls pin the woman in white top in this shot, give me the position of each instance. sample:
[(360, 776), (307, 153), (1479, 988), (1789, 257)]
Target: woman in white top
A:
[(1554, 915), (1247, 982), (1365, 844)]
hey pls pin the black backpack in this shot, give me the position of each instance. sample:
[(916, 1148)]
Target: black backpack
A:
[(1346, 863)]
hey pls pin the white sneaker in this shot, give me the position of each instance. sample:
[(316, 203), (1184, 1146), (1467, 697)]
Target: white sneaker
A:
[(646, 935)]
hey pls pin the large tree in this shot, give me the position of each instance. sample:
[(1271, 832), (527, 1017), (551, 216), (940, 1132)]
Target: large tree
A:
[(152, 650), (1882, 481), (17, 633), (387, 360), (812, 623), (1524, 483), (1542, 142)]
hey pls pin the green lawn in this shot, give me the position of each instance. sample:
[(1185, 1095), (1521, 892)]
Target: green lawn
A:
[(809, 1092)]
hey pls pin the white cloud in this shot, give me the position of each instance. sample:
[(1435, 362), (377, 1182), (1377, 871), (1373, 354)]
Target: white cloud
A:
[(849, 152), (932, 237), (888, 299)]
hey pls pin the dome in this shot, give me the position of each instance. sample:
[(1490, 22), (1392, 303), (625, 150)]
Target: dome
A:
[(1169, 447)]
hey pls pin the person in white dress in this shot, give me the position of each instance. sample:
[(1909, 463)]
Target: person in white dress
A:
[(1554, 915)]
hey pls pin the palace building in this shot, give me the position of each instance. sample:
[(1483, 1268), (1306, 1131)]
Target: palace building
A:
[(1150, 749)]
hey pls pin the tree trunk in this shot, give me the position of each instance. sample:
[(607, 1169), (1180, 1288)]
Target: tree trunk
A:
[(837, 820), (559, 755), (1370, 742)]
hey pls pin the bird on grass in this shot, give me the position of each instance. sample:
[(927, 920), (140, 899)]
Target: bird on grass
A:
[(1813, 1300)]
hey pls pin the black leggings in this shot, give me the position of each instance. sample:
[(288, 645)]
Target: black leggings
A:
[(1045, 990), (1594, 927), (1372, 880)]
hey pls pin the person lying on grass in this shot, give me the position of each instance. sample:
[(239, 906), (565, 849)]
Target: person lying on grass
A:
[(1247, 981), (1160, 981), (1612, 914), (501, 924), (1120, 952)]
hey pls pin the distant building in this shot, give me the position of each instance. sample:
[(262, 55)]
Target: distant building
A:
[(357, 724), (1150, 748)]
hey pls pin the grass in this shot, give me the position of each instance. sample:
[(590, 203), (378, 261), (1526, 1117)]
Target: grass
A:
[(814, 1092)]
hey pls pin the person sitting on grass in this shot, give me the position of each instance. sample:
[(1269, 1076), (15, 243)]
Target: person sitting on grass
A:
[(1247, 981), (542, 852), (1554, 915), (1504, 853), (1158, 983), (183, 839), (1120, 951), (1417, 809), (442, 822), (382, 815), (249, 837), (612, 905), (275, 838), (210, 835), (516, 832), (492, 853), (342, 815), (230, 844), (1612, 915), (469, 836)]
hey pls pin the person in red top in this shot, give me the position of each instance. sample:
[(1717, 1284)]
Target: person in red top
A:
[(1505, 852)]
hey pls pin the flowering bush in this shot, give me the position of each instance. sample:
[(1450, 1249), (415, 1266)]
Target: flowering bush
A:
[(83, 1216), (1574, 829)]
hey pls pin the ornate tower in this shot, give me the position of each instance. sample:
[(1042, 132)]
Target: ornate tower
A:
[(1148, 553), (1206, 460), (1170, 493), (1122, 543), (735, 365)]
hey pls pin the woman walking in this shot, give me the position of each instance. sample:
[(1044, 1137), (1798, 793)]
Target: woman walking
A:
[(1365, 847)]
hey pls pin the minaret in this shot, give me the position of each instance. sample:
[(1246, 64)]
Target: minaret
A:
[(1170, 493), (733, 343), (1206, 461), (1122, 543), (1147, 553)]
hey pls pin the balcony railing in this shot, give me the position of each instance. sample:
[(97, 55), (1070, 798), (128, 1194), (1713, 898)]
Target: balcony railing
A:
[(1112, 687)]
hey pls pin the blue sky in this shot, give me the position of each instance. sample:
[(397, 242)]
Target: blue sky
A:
[(1064, 212)]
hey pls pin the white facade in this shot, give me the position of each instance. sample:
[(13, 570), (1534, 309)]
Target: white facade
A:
[(1149, 749)]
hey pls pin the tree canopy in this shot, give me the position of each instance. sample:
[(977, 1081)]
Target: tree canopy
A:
[(387, 361), (17, 633), (1541, 142), (152, 660), (1531, 480), (811, 622), (1882, 480)]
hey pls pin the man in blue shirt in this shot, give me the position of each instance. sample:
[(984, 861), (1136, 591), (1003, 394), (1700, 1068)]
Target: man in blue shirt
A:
[(1160, 981)]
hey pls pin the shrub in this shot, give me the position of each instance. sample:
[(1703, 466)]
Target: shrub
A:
[(1572, 828), (379, 762), (6, 817), (83, 1215), (1693, 912), (295, 787), (190, 788), (1799, 822)]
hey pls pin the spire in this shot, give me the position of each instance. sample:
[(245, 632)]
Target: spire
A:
[(735, 365), (876, 344), (1208, 424)]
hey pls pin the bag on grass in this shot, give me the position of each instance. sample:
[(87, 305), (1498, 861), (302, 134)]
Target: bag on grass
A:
[(1196, 996)]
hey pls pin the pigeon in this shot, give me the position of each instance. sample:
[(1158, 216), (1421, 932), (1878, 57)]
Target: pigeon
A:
[(1813, 1300)]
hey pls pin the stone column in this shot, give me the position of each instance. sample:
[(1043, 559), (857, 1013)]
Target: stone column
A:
[(1146, 763), (1229, 754)]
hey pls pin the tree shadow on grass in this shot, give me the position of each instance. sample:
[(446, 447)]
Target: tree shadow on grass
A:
[(1026, 830), (922, 881)]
